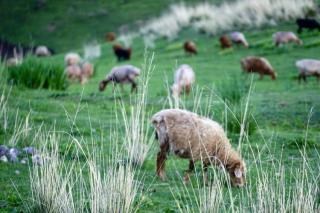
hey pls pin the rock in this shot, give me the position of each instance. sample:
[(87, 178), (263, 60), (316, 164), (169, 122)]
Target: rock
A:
[(4, 158), (12, 155), (30, 150), (37, 160), (24, 160), (3, 150)]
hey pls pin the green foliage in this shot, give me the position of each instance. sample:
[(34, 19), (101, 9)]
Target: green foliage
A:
[(34, 73), (237, 117), (233, 89)]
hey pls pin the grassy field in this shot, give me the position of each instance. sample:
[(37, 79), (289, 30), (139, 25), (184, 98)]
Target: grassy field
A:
[(286, 115)]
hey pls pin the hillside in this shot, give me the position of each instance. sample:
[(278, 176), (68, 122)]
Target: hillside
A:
[(65, 25), (78, 130)]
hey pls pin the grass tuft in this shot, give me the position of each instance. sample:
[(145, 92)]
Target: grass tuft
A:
[(34, 73)]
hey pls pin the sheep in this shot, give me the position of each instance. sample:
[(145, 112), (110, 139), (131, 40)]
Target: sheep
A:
[(258, 64), (120, 75), (285, 37), (72, 59), (238, 38), (190, 48), (122, 53), (16, 59), (225, 42), (42, 51), (307, 23), (184, 77), (192, 137), (80, 72), (308, 67), (110, 36), (73, 72)]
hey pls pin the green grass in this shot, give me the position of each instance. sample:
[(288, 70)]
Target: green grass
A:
[(280, 108), (35, 73)]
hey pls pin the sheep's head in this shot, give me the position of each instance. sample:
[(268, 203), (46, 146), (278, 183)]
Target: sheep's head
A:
[(243, 63), (102, 85), (237, 173), (273, 75), (299, 42), (175, 90)]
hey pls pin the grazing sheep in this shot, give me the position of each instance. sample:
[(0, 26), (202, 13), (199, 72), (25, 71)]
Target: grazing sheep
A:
[(72, 59), (80, 72), (120, 75), (73, 72), (225, 42), (307, 23), (122, 53), (190, 47), (42, 51), (239, 38), (259, 65), (16, 59), (184, 77), (110, 36), (308, 67), (285, 37), (190, 136)]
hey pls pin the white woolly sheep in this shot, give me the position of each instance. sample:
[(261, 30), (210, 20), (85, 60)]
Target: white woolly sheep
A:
[(238, 38), (120, 75), (285, 37), (184, 77), (42, 51), (308, 67), (190, 136), (72, 59)]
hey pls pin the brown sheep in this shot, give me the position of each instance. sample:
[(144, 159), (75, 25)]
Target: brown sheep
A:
[(190, 47), (122, 53), (225, 42), (190, 136), (259, 65), (110, 36)]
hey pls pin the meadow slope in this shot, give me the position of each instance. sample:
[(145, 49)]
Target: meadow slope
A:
[(283, 109)]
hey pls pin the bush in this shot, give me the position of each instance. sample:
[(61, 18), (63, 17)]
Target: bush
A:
[(35, 73), (233, 89), (236, 119)]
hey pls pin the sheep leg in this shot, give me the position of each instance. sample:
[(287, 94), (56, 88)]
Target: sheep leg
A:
[(188, 172), (133, 85), (205, 173), (161, 160), (261, 76), (122, 90), (187, 89)]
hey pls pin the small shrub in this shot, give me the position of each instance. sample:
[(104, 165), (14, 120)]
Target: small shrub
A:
[(233, 89), (236, 118), (34, 73)]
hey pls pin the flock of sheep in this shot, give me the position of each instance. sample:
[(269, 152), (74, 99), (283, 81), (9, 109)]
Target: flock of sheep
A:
[(184, 133)]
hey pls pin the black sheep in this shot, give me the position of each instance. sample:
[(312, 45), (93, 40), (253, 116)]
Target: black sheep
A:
[(307, 23)]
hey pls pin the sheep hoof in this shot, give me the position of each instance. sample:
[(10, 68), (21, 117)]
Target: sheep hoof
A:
[(162, 176), (186, 179)]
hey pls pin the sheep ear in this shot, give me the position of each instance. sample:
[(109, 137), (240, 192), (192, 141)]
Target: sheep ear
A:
[(238, 173)]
